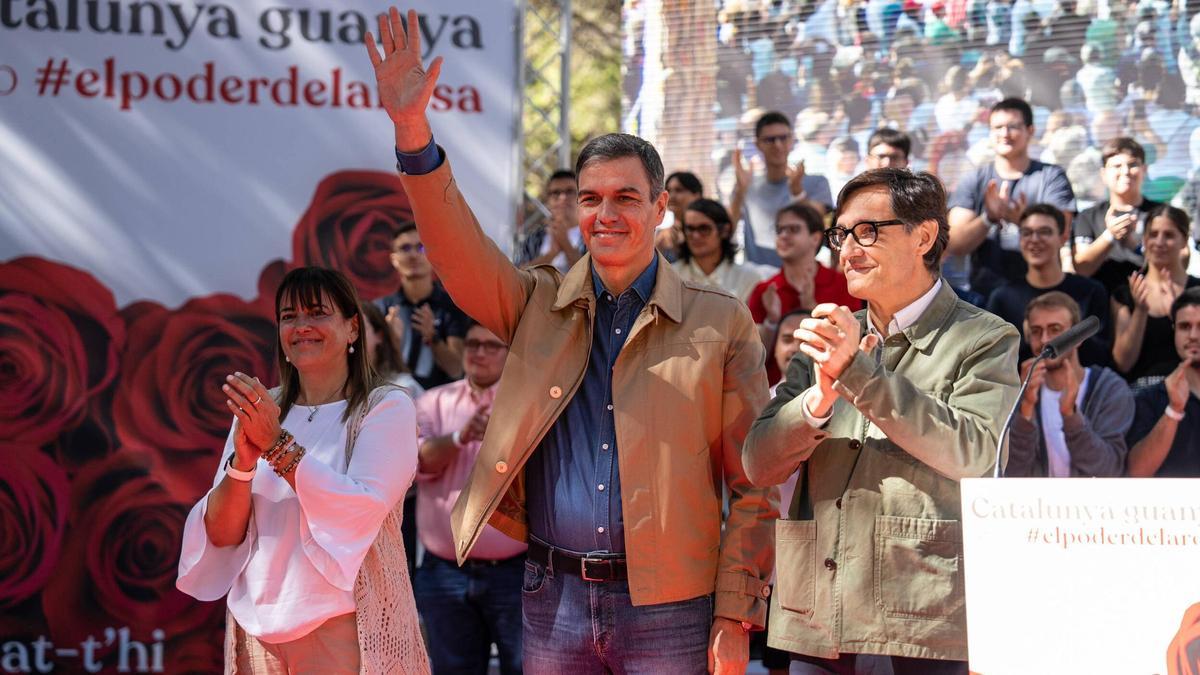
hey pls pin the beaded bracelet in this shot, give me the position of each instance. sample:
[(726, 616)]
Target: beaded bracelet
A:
[(300, 450), (280, 444)]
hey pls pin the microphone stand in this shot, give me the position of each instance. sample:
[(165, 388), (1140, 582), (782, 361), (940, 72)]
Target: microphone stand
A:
[(998, 472)]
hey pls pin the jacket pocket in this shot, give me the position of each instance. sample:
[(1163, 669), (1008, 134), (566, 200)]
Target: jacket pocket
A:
[(795, 564), (918, 567)]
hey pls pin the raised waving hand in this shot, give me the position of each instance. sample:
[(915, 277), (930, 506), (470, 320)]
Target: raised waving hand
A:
[(405, 85)]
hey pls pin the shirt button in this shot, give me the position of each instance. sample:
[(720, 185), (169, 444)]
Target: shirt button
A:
[(618, 331), (600, 530), (501, 467), (838, 503), (610, 406), (830, 564), (610, 298), (854, 444), (555, 392), (604, 446), (766, 591), (600, 487)]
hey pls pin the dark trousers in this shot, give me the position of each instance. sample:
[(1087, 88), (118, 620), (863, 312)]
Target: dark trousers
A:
[(467, 609)]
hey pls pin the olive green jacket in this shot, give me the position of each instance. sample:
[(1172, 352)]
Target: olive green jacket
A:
[(870, 558)]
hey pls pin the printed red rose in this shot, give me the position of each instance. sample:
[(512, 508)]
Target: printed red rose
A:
[(120, 558), (60, 335), (1183, 654), (34, 502), (349, 226), (169, 401)]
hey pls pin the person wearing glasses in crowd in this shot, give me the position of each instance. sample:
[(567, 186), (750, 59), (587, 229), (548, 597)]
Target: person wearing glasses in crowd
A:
[(683, 188), (615, 439), (707, 253), (466, 609), (888, 148), (883, 412), (301, 530), (984, 249), (756, 199), (803, 282), (557, 242), (431, 326)]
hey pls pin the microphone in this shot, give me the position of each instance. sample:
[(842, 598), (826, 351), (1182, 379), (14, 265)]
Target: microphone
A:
[(1068, 340), (1071, 338)]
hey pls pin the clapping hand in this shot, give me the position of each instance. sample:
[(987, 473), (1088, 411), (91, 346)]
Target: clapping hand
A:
[(256, 410), (423, 322)]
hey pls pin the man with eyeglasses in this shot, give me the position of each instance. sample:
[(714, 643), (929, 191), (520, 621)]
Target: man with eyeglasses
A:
[(984, 248), (1043, 230), (756, 199), (430, 326), (557, 241), (466, 609), (888, 148), (883, 412)]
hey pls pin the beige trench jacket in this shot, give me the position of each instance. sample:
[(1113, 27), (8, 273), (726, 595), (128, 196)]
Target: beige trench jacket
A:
[(686, 387), (870, 559)]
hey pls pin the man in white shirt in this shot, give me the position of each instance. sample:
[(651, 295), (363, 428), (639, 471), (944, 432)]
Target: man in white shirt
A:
[(1072, 420)]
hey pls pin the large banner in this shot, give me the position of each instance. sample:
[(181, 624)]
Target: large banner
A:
[(1077, 575), (162, 165)]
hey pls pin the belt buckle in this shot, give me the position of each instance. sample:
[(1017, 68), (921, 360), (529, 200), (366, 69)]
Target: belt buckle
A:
[(583, 568)]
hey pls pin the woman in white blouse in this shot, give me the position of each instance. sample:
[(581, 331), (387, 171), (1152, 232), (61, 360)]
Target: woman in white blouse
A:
[(301, 530)]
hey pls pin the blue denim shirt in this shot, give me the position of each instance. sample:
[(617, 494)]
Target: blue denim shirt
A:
[(572, 481)]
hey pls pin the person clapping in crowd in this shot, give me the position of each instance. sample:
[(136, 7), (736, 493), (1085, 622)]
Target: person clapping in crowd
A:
[(557, 241), (1165, 436), (1043, 231), (433, 326), (683, 188), (707, 253), (301, 530), (803, 282), (756, 199), (466, 609), (1072, 419), (987, 203), (1142, 306), (1108, 236)]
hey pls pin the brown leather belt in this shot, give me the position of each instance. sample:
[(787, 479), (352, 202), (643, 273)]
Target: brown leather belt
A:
[(605, 567)]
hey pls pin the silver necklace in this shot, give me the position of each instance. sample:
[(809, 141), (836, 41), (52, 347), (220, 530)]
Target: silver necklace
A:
[(314, 410)]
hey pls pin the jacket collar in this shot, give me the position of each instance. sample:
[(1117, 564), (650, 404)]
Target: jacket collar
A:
[(926, 328), (577, 286)]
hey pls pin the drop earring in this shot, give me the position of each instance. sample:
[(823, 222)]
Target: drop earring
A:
[(351, 349)]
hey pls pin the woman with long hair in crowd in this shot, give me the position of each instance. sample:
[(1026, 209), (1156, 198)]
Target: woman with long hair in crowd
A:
[(300, 531), (706, 254), (1143, 348), (383, 348)]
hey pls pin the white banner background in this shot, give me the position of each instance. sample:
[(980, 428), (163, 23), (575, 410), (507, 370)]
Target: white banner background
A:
[(1078, 576), (170, 200)]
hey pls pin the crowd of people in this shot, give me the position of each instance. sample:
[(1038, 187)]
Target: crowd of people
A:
[(584, 444)]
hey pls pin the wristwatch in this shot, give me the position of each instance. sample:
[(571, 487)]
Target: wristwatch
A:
[(238, 474)]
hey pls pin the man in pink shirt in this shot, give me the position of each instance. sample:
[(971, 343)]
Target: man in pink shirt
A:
[(465, 609)]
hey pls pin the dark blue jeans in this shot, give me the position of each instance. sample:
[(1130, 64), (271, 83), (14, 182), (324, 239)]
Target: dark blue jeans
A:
[(468, 608), (577, 627)]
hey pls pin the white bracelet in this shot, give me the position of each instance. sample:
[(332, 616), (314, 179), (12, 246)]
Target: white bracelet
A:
[(238, 474), (1174, 414)]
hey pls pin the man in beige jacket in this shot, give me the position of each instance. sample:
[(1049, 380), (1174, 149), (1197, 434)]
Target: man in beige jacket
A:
[(618, 421), (883, 412)]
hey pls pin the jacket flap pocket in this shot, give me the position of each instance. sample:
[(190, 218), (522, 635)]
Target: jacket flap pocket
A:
[(795, 564)]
